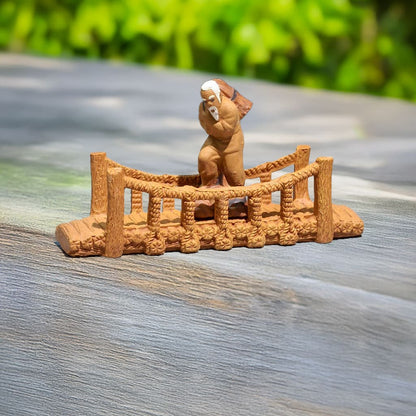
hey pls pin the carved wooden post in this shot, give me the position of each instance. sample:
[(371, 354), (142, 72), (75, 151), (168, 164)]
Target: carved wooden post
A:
[(136, 201), (323, 201), (224, 239), (256, 236), (114, 239), (154, 244), (98, 163), (301, 161), (153, 213), (288, 235), (189, 241), (266, 177)]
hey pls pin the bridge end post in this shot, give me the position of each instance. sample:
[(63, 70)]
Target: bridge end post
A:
[(323, 201), (98, 163), (301, 161), (114, 237)]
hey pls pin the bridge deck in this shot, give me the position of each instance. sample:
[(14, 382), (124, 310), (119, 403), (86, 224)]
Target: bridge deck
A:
[(86, 237)]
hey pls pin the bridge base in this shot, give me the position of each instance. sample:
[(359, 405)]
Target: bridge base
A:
[(86, 237)]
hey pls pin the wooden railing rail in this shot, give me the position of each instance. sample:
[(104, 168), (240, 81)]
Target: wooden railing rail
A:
[(230, 192), (194, 180), (270, 167)]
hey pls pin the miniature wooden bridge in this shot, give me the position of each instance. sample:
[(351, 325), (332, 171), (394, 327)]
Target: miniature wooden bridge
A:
[(110, 232)]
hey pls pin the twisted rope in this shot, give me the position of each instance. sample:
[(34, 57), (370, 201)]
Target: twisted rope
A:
[(269, 167), (195, 180), (224, 238), (288, 235), (256, 236), (190, 242)]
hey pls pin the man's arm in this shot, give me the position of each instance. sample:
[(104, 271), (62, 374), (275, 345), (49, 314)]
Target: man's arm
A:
[(224, 128)]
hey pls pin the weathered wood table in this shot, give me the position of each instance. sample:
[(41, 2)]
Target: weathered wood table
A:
[(308, 329)]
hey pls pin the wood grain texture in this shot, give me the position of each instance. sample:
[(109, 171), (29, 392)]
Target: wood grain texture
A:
[(98, 183), (105, 336), (114, 238), (302, 160), (323, 201)]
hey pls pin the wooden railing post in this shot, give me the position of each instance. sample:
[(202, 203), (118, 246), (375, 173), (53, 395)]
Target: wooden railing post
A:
[(301, 161), (153, 213), (114, 238), (288, 235), (224, 238), (266, 177), (98, 163), (256, 236), (136, 201), (155, 244), (189, 240), (323, 201)]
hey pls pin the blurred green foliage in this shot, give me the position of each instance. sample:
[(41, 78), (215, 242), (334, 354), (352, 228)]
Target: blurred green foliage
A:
[(349, 45)]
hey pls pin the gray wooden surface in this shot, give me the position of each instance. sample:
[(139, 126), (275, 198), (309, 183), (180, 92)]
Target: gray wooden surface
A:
[(304, 330)]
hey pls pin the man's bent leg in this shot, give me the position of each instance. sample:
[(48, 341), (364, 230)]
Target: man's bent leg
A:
[(208, 160), (234, 169)]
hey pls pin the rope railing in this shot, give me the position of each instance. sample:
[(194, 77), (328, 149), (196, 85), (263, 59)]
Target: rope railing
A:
[(195, 180), (270, 167), (107, 193), (229, 192)]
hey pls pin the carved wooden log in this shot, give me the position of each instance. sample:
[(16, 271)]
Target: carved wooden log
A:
[(323, 201), (301, 161), (114, 240), (242, 103), (98, 163)]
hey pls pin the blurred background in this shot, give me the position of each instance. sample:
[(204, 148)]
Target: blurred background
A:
[(366, 46)]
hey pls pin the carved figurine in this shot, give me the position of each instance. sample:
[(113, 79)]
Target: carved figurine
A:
[(220, 160), (108, 231), (222, 151)]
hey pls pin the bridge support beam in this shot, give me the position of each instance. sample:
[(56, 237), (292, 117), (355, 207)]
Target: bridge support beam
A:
[(323, 201), (114, 238)]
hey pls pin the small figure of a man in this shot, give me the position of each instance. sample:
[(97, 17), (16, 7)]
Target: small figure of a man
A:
[(222, 151)]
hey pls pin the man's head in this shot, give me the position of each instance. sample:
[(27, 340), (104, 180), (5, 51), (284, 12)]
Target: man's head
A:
[(211, 95)]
